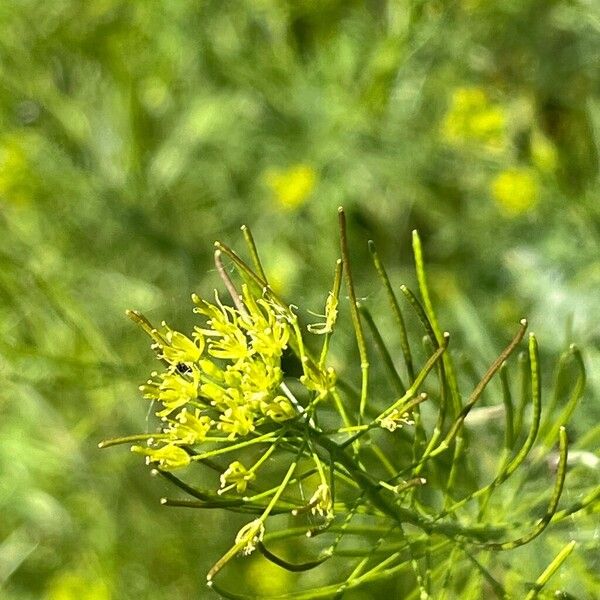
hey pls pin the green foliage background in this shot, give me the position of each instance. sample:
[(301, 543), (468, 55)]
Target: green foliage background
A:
[(133, 134)]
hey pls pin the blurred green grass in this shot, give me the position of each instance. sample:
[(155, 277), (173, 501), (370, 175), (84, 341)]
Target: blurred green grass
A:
[(133, 134)]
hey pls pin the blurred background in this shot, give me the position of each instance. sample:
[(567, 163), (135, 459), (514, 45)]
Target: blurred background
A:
[(133, 134)]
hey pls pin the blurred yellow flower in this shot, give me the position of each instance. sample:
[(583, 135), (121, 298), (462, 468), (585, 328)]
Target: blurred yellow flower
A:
[(472, 118), (291, 187), (516, 190)]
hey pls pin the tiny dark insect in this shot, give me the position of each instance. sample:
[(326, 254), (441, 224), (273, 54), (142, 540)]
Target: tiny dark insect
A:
[(183, 368)]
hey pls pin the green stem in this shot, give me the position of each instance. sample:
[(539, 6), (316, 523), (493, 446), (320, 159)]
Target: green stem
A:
[(133, 438), (404, 344), (263, 439), (356, 322), (424, 289), (553, 426), (536, 398), (476, 394), (550, 570), (253, 252), (393, 374), (509, 436)]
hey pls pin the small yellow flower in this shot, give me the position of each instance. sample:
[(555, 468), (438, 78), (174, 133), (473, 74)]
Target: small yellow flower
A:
[(168, 458), (189, 428), (236, 476), (291, 187), (278, 409), (395, 420), (173, 390), (180, 349), (237, 421), (516, 191), (226, 339), (271, 339), (259, 380)]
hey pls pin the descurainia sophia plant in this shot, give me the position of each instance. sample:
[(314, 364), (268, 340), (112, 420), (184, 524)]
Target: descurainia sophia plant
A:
[(381, 478)]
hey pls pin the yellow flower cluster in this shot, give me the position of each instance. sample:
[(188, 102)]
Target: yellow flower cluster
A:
[(224, 380), (473, 119)]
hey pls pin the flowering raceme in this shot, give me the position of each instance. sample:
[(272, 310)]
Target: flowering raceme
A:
[(225, 380)]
